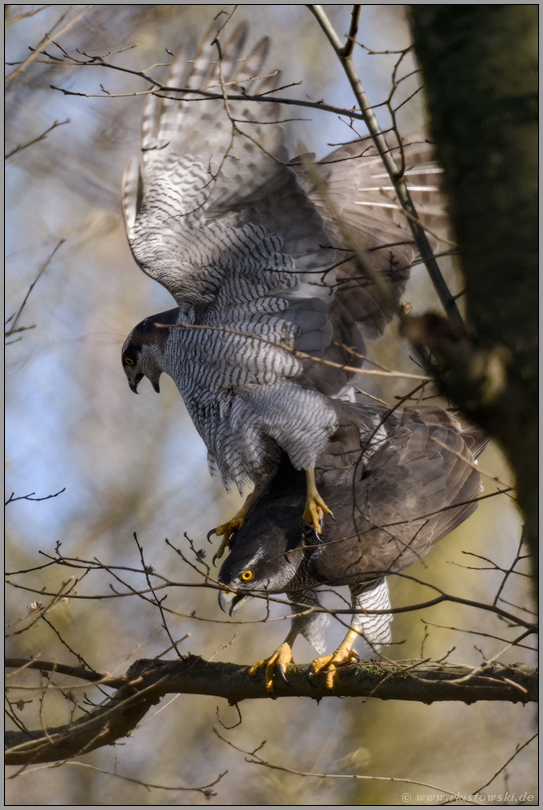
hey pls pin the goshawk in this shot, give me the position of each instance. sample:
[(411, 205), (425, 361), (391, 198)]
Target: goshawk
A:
[(397, 483), (281, 268)]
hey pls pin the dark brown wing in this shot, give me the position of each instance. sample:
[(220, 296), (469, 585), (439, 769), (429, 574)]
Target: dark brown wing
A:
[(393, 500), (396, 486)]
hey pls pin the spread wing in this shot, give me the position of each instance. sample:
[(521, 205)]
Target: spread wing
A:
[(399, 495), (246, 242)]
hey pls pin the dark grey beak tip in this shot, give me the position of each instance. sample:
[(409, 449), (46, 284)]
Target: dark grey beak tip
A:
[(223, 601), (229, 602), (156, 387), (133, 388)]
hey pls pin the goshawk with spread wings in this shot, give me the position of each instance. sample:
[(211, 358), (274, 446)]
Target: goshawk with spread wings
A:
[(274, 296)]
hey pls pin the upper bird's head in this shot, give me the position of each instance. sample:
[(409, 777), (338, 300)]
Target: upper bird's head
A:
[(143, 349), (265, 554)]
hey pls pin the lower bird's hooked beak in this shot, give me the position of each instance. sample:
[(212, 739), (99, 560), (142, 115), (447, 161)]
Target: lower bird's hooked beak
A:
[(229, 601)]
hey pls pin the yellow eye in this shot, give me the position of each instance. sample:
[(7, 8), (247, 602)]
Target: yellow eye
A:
[(128, 361), (247, 576)]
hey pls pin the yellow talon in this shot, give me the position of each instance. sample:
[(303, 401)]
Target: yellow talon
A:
[(229, 528), (276, 662), (345, 654), (314, 505)]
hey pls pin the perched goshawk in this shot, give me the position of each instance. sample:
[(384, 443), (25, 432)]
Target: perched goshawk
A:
[(397, 483), (275, 295)]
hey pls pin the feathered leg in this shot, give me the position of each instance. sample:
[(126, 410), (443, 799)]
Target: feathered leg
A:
[(374, 628), (310, 626)]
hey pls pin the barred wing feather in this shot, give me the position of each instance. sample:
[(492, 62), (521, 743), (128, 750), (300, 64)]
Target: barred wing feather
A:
[(244, 240)]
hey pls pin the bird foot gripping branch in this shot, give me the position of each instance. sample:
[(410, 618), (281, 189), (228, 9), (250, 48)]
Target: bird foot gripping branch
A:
[(276, 663), (330, 663)]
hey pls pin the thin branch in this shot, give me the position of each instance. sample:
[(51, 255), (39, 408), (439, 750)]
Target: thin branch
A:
[(47, 40), (64, 669), (257, 760), (41, 271), (25, 15), (508, 487), (347, 50), (205, 789), (28, 497), (508, 573), (41, 137), (511, 758), (158, 602)]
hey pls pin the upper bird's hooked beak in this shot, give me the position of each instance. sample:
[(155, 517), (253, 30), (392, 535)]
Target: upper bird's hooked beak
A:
[(230, 601), (133, 384)]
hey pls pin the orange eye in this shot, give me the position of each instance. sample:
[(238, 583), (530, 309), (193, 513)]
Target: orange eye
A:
[(247, 576), (128, 361)]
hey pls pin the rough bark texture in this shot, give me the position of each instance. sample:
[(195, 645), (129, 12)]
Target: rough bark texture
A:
[(146, 682), (479, 65)]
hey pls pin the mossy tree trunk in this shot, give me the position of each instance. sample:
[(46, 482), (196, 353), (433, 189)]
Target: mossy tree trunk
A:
[(480, 71)]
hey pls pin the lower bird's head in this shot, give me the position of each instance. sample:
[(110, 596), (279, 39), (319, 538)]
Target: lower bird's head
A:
[(264, 556), (142, 354)]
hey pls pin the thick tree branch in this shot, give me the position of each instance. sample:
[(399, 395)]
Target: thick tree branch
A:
[(147, 681)]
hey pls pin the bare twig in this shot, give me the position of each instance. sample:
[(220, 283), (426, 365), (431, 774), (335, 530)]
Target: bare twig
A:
[(41, 137), (511, 758), (25, 15), (14, 318), (46, 40), (257, 760), (204, 789), (158, 602), (29, 497)]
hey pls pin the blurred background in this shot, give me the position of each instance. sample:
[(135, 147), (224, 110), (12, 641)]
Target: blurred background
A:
[(137, 465)]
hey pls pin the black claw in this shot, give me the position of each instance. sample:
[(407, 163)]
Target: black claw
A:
[(212, 532), (310, 673), (281, 670), (214, 560)]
